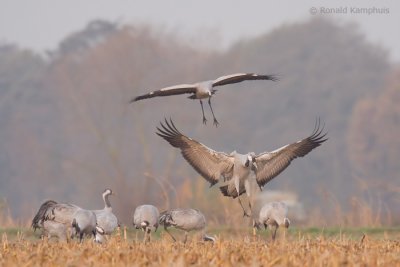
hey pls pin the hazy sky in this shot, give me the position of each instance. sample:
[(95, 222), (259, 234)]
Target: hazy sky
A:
[(41, 24)]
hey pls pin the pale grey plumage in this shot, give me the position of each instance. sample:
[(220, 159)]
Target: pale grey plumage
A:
[(61, 213), (84, 223), (146, 217), (235, 168), (186, 220), (55, 229), (273, 214), (205, 89), (56, 218), (106, 219)]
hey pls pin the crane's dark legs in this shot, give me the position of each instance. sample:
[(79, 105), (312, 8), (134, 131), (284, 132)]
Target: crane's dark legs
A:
[(212, 111), (244, 211), (251, 210), (274, 233), (147, 235), (166, 230), (202, 110)]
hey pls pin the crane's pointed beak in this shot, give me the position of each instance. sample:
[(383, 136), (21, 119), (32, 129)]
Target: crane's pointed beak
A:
[(256, 225)]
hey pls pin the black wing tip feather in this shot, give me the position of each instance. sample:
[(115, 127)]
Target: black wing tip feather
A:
[(133, 100), (269, 77), (274, 77), (168, 131), (169, 128), (140, 97), (146, 96), (318, 135), (172, 126)]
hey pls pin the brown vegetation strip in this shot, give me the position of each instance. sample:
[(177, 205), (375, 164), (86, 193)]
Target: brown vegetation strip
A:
[(303, 252)]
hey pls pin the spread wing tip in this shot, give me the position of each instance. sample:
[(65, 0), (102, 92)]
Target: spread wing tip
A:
[(133, 100), (273, 77), (318, 135), (169, 132), (137, 98), (270, 77)]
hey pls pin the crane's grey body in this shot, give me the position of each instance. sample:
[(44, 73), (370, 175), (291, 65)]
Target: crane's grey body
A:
[(106, 219), (242, 167), (205, 89), (273, 214), (55, 229), (52, 213), (56, 218), (146, 217), (84, 223), (186, 220), (236, 168)]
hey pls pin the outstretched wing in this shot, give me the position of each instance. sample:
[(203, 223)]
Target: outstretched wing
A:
[(171, 90), (209, 163), (240, 77), (270, 164)]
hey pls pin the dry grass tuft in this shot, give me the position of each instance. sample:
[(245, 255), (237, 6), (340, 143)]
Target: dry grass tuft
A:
[(294, 251)]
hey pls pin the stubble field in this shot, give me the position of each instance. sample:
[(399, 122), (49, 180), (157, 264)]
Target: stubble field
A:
[(296, 248)]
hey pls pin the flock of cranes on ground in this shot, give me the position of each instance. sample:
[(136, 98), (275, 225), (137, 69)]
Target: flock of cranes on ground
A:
[(232, 171), (66, 221)]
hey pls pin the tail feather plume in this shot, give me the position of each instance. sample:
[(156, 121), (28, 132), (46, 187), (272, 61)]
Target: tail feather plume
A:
[(41, 215)]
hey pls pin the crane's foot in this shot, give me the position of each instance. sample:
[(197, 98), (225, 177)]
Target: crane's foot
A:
[(216, 123), (245, 214)]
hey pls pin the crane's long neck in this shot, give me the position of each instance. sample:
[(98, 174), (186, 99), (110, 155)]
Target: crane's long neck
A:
[(107, 204)]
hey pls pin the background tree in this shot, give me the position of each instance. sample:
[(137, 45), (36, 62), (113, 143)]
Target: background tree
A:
[(75, 133), (374, 146)]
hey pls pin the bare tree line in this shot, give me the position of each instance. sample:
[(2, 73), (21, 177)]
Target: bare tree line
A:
[(69, 131)]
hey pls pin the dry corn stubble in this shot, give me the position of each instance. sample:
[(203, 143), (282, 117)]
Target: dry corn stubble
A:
[(237, 252)]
